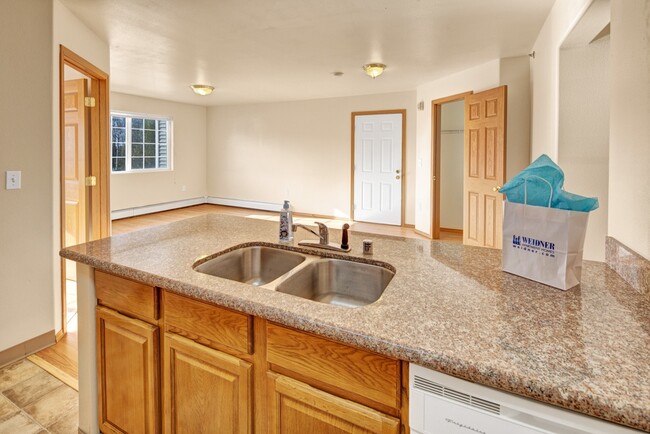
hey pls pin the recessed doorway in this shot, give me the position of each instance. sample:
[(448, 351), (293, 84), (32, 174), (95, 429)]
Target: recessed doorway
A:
[(452, 132), (378, 140), (448, 132)]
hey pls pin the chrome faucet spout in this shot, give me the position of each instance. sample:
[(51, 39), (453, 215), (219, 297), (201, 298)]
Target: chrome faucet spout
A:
[(324, 238), (307, 228)]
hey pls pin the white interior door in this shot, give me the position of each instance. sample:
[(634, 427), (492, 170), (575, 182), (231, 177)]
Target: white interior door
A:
[(378, 168)]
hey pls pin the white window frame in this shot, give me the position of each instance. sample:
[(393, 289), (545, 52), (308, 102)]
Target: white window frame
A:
[(170, 139)]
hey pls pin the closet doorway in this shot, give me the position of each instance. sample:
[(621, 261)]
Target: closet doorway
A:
[(448, 122)]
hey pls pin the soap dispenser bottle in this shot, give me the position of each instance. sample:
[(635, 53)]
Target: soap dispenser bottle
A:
[(286, 223)]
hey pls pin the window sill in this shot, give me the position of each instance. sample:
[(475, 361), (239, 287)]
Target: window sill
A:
[(131, 172)]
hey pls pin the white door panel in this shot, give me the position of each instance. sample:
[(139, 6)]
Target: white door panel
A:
[(378, 168)]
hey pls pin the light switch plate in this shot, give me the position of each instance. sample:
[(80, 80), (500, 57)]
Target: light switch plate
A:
[(13, 179)]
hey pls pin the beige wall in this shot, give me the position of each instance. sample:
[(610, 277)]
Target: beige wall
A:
[(583, 143), (30, 34), (451, 165), (296, 150), (515, 72), (545, 76), (188, 177), (629, 140), (26, 234)]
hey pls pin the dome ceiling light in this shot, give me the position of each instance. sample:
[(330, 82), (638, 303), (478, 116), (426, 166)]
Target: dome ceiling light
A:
[(202, 89), (374, 70)]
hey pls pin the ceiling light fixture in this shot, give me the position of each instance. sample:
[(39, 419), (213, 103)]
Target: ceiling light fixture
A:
[(202, 89), (374, 70)]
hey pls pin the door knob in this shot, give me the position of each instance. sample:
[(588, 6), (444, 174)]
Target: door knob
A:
[(397, 177), (497, 188)]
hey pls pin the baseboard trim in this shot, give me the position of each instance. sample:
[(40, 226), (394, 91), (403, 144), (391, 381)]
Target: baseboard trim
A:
[(249, 204), (236, 203), (419, 232), (26, 348), (452, 231), (149, 209)]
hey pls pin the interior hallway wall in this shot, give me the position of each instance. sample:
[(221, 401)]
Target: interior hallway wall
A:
[(26, 230), (187, 180), (545, 74), (629, 139), (583, 144), (298, 150)]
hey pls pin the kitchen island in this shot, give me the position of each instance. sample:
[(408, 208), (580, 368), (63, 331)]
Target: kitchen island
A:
[(449, 308)]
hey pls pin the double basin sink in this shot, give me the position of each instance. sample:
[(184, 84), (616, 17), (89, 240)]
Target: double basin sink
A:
[(329, 280)]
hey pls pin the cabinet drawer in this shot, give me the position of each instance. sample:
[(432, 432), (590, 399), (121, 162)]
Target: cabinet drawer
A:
[(359, 372), (297, 408), (210, 325), (127, 296)]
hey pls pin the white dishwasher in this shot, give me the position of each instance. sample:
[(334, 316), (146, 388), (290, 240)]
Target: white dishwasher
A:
[(441, 404)]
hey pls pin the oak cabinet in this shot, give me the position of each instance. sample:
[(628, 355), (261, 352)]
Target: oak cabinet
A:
[(128, 374), (205, 391), (297, 408), (168, 362)]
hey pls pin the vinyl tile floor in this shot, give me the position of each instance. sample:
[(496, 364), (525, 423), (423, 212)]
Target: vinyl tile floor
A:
[(34, 402)]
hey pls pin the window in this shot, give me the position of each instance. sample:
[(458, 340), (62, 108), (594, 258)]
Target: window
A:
[(140, 142)]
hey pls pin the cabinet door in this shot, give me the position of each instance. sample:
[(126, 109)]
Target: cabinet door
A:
[(129, 374), (205, 391), (297, 408)]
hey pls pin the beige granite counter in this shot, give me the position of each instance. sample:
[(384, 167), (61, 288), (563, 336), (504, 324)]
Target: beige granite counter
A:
[(449, 308)]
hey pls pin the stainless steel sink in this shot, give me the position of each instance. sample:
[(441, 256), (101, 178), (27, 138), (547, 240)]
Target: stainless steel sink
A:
[(256, 265), (338, 282)]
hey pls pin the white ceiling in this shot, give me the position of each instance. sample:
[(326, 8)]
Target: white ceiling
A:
[(280, 50)]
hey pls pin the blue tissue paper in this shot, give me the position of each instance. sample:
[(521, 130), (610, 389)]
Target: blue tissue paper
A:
[(540, 184), (575, 202)]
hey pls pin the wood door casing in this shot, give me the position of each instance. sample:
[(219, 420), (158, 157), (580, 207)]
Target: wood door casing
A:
[(297, 408), (436, 153), (214, 388), (128, 374), (74, 167), (97, 156), (484, 167)]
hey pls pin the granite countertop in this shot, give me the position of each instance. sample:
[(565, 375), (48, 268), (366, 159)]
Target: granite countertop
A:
[(449, 308)]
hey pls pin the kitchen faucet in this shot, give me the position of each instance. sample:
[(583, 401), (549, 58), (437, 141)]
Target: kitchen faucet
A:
[(323, 238)]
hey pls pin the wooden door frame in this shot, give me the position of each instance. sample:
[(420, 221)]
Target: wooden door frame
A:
[(436, 112), (98, 157), (379, 112)]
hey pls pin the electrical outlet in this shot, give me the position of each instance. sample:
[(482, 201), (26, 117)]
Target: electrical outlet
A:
[(13, 179)]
